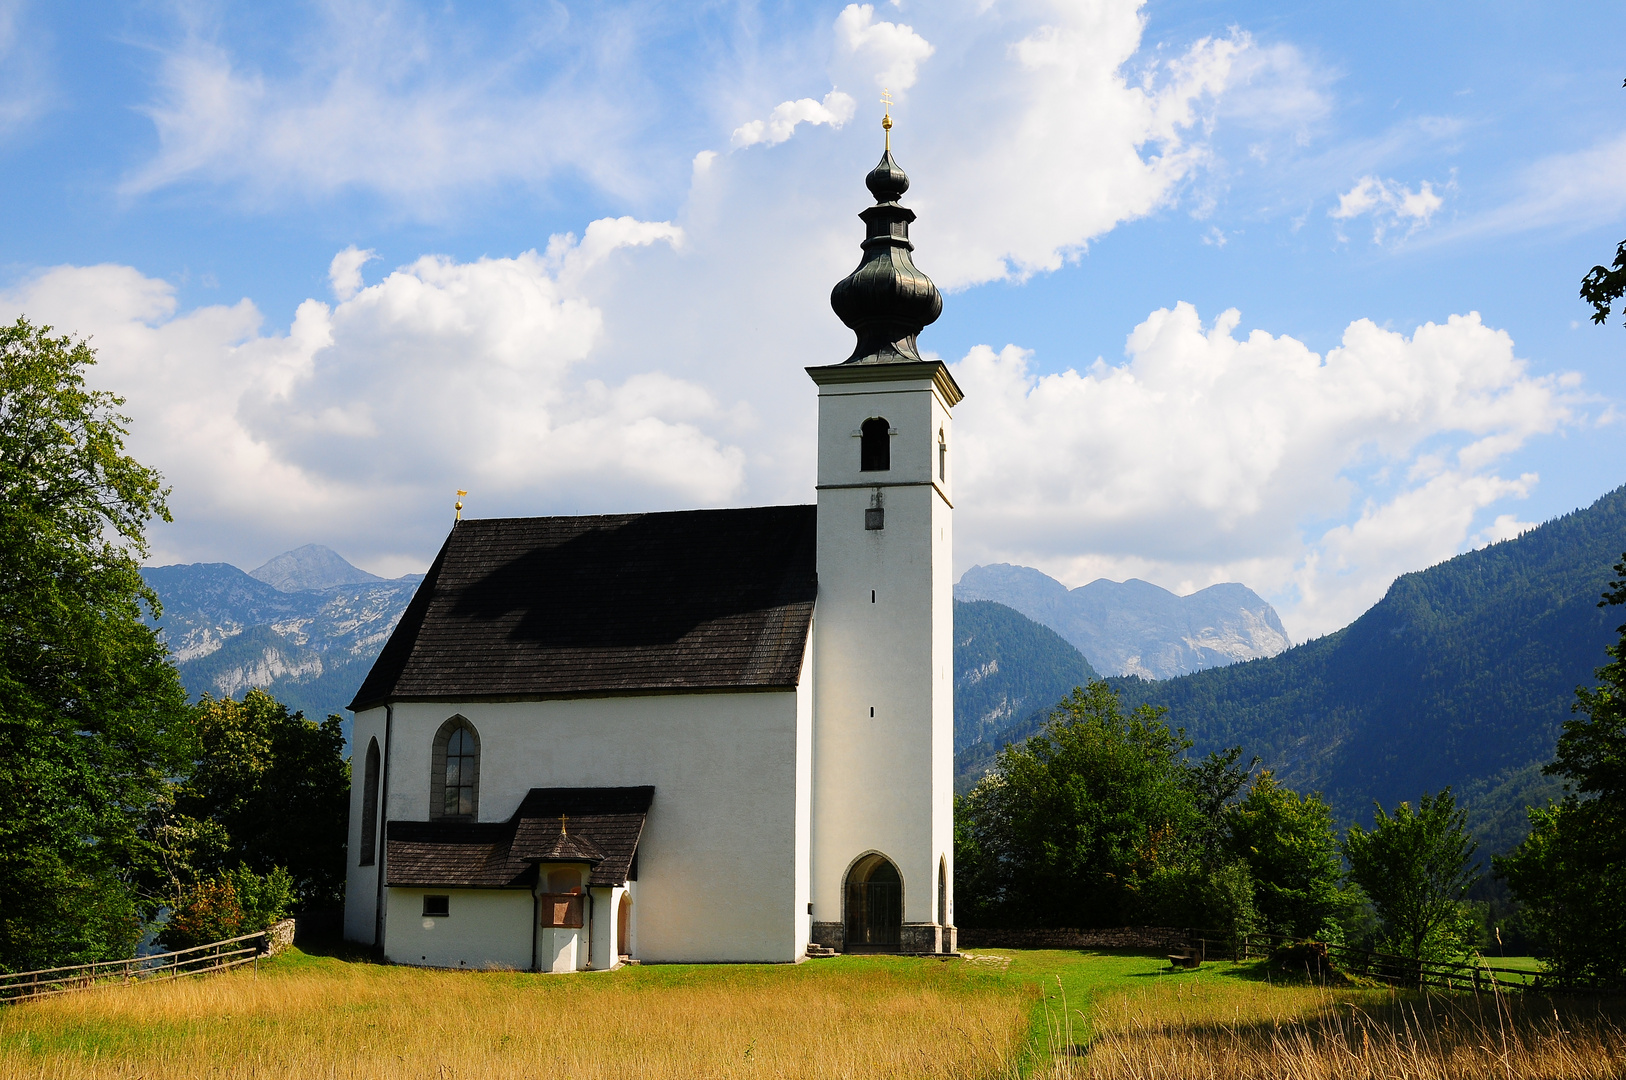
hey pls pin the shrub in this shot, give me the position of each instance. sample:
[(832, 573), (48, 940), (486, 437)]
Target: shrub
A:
[(228, 905)]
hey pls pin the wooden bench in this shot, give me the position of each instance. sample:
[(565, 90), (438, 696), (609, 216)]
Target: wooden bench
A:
[(1188, 957)]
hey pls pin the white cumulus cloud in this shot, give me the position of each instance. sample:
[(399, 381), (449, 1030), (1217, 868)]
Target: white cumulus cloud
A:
[(894, 51), (360, 419), (1389, 204), (344, 272), (1206, 457), (1044, 137), (836, 109)]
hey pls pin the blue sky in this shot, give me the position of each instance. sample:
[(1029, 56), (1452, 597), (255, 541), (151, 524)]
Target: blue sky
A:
[(591, 248)]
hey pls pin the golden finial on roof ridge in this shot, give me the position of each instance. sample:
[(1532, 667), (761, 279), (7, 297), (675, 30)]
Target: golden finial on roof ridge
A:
[(457, 507), (562, 830), (886, 117)]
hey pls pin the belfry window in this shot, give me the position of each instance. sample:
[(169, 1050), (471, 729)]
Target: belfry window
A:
[(454, 771), (875, 453), (942, 456), (369, 804)]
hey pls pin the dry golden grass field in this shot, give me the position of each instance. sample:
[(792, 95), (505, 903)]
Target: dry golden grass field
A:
[(1013, 1014)]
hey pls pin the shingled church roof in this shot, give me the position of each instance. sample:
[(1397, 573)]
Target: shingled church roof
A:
[(696, 600), (604, 826)]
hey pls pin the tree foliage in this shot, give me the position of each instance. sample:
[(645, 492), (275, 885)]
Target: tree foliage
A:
[(1069, 823), (1414, 867), (1102, 819), (1603, 285), (227, 904), (1289, 845), (91, 712), (267, 789), (1571, 871)]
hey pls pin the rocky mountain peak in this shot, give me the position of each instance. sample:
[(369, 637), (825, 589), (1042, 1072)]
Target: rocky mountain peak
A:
[(1134, 627), (310, 568)]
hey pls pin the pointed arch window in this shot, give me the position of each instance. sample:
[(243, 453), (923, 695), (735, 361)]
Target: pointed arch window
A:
[(454, 772), (875, 450), (369, 804), (942, 457)]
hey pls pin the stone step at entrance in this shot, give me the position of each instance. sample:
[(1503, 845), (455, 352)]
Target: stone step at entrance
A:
[(815, 951)]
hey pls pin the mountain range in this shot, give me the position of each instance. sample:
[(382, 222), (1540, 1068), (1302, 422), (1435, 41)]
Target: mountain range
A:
[(1134, 627), (305, 626), (1006, 668), (1461, 675)]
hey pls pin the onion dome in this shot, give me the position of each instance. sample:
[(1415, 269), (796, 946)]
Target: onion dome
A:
[(886, 301)]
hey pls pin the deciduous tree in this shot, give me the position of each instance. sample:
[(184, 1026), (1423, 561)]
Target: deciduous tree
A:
[(1067, 823), (271, 789), (1290, 847), (1415, 869), (91, 712), (1571, 871)]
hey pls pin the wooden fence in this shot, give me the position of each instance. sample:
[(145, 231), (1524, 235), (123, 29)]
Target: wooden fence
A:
[(216, 956), (1469, 974)]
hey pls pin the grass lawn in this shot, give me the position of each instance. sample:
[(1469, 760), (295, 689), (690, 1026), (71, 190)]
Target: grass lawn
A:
[(1007, 1013)]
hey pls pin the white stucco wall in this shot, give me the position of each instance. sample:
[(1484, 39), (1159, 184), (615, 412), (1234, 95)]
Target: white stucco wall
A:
[(361, 882), (484, 928), (723, 860), (884, 642)]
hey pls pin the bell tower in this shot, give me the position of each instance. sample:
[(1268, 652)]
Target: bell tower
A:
[(883, 692)]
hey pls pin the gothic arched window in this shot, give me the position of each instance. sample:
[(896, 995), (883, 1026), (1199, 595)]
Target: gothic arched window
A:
[(942, 456), (875, 453), (454, 771), (369, 804)]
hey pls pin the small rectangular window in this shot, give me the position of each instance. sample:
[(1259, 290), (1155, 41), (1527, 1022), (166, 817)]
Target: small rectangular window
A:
[(437, 907), (874, 517)]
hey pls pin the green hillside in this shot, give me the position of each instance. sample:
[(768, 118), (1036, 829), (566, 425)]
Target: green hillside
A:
[(1462, 674), (1006, 667)]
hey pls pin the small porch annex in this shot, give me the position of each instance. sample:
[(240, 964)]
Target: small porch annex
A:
[(550, 889)]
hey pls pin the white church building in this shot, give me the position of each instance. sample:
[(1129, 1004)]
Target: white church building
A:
[(708, 735)]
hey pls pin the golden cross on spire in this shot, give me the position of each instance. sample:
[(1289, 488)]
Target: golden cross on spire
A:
[(886, 117), (562, 831)]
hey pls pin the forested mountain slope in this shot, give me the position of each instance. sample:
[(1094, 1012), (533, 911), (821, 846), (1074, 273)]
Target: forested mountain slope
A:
[(1006, 667), (1462, 675)]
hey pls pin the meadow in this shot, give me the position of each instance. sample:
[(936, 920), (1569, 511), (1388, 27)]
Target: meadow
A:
[(1000, 1015)]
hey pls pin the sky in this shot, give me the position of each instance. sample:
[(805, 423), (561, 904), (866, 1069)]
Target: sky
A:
[(1284, 294)]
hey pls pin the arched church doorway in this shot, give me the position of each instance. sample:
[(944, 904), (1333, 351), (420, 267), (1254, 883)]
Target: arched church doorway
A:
[(623, 927), (874, 905)]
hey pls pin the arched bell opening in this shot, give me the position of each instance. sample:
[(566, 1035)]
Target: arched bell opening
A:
[(874, 916)]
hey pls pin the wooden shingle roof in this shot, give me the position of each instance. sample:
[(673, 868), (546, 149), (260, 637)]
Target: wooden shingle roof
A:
[(696, 600), (504, 854)]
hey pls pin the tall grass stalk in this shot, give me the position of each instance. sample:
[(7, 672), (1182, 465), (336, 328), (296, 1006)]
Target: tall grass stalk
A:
[(1242, 1031), (363, 1021)]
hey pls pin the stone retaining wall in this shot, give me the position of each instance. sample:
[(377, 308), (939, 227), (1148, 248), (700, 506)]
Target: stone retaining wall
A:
[(278, 936), (1148, 938)]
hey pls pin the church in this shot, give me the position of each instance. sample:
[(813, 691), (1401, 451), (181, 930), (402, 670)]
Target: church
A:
[(697, 736)]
